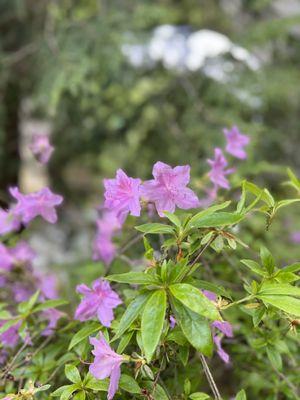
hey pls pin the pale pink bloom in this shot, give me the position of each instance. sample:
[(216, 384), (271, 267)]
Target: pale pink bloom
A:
[(100, 300), (236, 142), (218, 172), (47, 284), (103, 246), (168, 188), (10, 337), (22, 254), (107, 363), (295, 237), (9, 222), (42, 203), (52, 315), (41, 148), (6, 259), (122, 195)]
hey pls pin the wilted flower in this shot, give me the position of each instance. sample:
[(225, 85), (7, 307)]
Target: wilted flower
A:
[(41, 148), (168, 188), (9, 222), (31, 205), (217, 173), (98, 301), (107, 363), (122, 195), (236, 142)]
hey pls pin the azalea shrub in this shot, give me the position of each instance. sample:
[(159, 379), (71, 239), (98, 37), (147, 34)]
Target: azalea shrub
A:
[(191, 304)]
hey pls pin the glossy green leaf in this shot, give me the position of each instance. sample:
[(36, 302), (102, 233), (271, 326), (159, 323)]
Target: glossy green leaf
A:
[(86, 331), (218, 219), (241, 395), (195, 328), (199, 396), (267, 259), (212, 288), (286, 303), (131, 313), (72, 373), (49, 304), (96, 384), (135, 278), (279, 289), (205, 213), (124, 342), (195, 300), (255, 267), (152, 322), (155, 228), (129, 384), (173, 218)]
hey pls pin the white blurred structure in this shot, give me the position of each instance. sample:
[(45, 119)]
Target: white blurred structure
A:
[(178, 49)]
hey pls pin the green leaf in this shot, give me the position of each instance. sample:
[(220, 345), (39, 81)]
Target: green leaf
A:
[(267, 260), (4, 314), (285, 203), (199, 396), (218, 219), (158, 392), (285, 303), (241, 395), (176, 335), (195, 328), (49, 304), (274, 357), (96, 384), (155, 228), (195, 300), (80, 395), (254, 266), (292, 268), (8, 324), (72, 373), (262, 193), (152, 322), (65, 392), (212, 288), (279, 289), (129, 384), (86, 331), (26, 306), (205, 213), (136, 278), (173, 218), (183, 353), (131, 313), (124, 342)]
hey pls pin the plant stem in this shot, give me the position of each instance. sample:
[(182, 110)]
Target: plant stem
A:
[(238, 302), (210, 378)]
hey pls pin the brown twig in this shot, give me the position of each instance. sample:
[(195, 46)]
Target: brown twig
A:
[(210, 378)]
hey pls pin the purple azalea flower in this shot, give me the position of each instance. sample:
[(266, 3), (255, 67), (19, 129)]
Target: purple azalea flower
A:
[(224, 327), (107, 363), (211, 195), (221, 352), (103, 246), (10, 337), (236, 142), (168, 188), (172, 322), (41, 148), (6, 259), (22, 254), (47, 284), (122, 195), (8, 222), (217, 173), (21, 292), (210, 295), (98, 301), (52, 315), (31, 205), (295, 237)]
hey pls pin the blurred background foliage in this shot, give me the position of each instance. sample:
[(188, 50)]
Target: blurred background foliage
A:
[(63, 61)]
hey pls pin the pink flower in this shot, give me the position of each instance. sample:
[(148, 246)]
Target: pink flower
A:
[(98, 301), (52, 315), (168, 188), (41, 148), (218, 172), (103, 246), (236, 142), (107, 363), (122, 195), (31, 205), (6, 259), (10, 337), (22, 254), (172, 322), (47, 284), (221, 352), (21, 292), (295, 237), (8, 222)]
